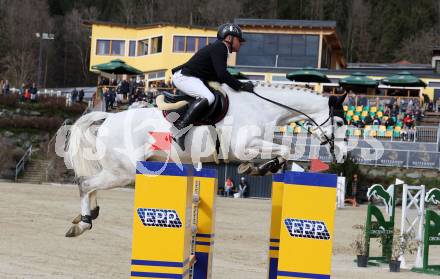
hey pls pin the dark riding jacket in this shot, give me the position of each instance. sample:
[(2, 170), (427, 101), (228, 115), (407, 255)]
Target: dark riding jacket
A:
[(209, 64)]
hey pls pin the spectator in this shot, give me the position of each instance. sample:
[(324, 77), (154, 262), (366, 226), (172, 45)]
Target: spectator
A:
[(351, 99), (106, 98), (81, 96), (411, 133), (389, 122), (21, 93), (368, 120), (356, 123), (430, 106), (6, 87), (395, 110), (125, 88), (243, 186), (376, 121), (104, 81), (404, 134), (74, 95), (403, 105), (27, 94), (229, 187), (34, 91), (417, 113), (354, 186), (408, 121), (112, 98), (362, 101)]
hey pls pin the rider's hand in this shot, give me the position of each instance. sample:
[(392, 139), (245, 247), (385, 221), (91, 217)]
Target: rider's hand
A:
[(247, 86)]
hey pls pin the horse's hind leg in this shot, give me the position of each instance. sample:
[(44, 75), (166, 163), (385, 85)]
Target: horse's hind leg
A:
[(94, 208), (85, 222), (88, 188)]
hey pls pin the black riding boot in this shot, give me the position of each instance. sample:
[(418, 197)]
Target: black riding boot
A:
[(194, 112)]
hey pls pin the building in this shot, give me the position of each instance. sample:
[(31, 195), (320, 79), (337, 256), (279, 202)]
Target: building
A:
[(157, 48), (273, 48), (154, 49)]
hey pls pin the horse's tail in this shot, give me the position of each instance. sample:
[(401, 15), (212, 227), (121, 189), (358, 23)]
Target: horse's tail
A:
[(82, 143)]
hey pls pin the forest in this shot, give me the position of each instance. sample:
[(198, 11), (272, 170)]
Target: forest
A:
[(372, 31)]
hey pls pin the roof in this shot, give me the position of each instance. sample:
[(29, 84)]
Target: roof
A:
[(145, 26), (422, 73), (286, 23)]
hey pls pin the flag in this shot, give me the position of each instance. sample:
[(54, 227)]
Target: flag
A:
[(317, 165)]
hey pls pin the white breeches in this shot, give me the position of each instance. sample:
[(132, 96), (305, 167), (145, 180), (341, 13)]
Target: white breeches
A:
[(192, 86)]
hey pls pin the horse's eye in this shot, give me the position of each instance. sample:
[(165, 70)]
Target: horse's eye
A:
[(340, 123)]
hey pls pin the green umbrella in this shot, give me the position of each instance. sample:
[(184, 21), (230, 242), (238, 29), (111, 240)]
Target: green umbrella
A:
[(117, 67), (358, 80), (404, 79), (308, 75), (236, 73)]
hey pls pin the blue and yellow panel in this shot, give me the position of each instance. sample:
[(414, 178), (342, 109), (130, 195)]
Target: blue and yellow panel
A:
[(162, 220), (207, 179), (274, 241), (307, 222)]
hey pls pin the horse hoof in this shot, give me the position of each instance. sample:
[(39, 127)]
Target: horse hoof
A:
[(245, 168), (77, 219), (78, 229)]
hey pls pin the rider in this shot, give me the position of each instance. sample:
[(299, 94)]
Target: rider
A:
[(208, 64)]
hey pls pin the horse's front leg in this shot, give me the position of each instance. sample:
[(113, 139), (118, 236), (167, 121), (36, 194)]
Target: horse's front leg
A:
[(278, 153)]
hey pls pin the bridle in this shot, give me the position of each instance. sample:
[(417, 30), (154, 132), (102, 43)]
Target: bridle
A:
[(327, 140)]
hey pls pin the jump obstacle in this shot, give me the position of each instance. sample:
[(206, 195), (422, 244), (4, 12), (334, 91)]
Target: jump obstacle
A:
[(431, 235), (173, 224), (425, 224), (377, 225)]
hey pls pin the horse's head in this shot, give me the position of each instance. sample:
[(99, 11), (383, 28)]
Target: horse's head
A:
[(333, 131)]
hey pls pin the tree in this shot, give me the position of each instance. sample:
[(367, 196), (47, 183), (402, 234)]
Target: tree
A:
[(21, 22), (417, 48)]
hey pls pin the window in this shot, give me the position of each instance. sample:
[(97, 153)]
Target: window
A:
[(118, 48), (156, 45), (103, 47), (255, 77), (434, 84), (292, 50), (201, 42), (190, 44), (179, 44), (132, 48), (156, 75), (142, 48), (280, 78)]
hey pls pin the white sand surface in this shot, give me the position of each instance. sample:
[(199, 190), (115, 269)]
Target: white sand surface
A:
[(34, 218)]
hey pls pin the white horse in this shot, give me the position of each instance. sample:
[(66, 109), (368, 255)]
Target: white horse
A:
[(103, 148)]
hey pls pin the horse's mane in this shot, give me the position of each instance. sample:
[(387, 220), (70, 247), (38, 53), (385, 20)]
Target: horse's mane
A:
[(286, 87)]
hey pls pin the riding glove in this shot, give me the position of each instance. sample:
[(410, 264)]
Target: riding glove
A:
[(247, 86)]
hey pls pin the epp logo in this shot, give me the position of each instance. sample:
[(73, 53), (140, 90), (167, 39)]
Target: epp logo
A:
[(153, 217), (307, 228)]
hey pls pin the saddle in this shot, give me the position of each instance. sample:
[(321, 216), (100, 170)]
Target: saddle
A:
[(178, 103)]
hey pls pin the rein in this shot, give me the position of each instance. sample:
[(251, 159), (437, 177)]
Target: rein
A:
[(330, 141)]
